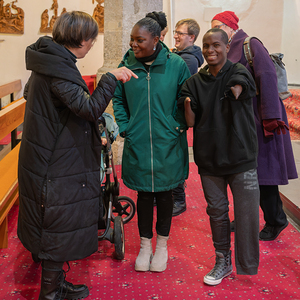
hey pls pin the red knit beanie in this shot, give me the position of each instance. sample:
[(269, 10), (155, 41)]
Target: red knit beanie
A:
[(229, 18)]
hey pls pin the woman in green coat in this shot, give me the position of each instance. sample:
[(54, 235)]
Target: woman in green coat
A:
[(155, 155)]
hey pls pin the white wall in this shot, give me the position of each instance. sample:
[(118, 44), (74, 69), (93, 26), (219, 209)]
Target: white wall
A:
[(261, 18), (290, 40), (275, 22), (12, 49)]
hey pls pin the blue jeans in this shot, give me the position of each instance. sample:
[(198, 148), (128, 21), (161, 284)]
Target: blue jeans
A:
[(245, 191)]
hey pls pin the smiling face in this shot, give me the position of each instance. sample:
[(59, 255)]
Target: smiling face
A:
[(142, 42), (182, 38), (214, 50)]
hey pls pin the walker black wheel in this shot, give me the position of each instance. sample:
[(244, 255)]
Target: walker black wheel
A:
[(119, 238), (124, 208)]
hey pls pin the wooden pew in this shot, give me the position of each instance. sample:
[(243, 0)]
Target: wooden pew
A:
[(10, 89), (10, 118)]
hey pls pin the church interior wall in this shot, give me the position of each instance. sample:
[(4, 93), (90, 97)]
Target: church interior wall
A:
[(276, 23)]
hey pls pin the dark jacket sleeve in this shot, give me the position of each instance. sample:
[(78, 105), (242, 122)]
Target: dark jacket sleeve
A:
[(191, 62), (185, 74), (188, 90), (266, 81), (240, 75), (88, 107)]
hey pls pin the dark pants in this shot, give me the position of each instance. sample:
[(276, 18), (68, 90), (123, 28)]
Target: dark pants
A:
[(245, 191), (164, 205), (271, 205), (179, 193)]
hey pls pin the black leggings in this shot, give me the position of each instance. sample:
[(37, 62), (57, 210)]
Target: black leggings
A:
[(164, 204)]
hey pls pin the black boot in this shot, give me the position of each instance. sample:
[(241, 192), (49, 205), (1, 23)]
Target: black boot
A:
[(179, 205), (55, 287)]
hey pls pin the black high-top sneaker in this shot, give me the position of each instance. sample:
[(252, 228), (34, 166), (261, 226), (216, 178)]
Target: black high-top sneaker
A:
[(222, 268)]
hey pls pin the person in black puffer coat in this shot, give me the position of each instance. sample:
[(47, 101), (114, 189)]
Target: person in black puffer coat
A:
[(59, 160)]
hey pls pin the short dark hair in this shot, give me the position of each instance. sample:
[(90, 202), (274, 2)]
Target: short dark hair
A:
[(72, 28), (224, 36), (193, 26), (154, 22)]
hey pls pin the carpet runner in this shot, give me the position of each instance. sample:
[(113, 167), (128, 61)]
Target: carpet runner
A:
[(292, 106), (190, 258)]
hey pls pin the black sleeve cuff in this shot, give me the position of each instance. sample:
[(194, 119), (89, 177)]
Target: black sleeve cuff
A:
[(112, 76)]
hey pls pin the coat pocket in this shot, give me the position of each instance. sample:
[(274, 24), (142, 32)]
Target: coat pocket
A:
[(216, 148)]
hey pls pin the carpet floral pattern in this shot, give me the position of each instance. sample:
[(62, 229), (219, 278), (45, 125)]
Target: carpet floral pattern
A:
[(190, 258), (292, 106)]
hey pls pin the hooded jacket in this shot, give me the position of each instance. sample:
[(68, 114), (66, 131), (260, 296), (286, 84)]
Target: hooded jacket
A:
[(59, 160), (225, 139), (155, 155), (192, 55)]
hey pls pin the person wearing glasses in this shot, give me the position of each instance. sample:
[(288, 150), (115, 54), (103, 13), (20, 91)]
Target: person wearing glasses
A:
[(275, 161), (185, 34)]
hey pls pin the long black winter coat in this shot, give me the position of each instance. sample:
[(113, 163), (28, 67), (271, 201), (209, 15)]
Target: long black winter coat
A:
[(59, 159)]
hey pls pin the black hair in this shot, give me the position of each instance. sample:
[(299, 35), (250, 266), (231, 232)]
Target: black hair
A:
[(224, 36), (154, 22), (72, 28)]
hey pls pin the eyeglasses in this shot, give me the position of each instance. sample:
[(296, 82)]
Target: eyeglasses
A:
[(179, 33), (219, 26)]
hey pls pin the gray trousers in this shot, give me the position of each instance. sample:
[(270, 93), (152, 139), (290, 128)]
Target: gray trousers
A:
[(245, 191)]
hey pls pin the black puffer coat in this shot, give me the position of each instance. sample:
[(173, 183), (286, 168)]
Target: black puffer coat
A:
[(59, 162)]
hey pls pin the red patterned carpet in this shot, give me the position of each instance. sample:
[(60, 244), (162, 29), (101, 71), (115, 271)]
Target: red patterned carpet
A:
[(190, 258), (292, 106)]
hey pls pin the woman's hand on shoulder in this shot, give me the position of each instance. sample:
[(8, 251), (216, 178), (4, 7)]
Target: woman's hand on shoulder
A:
[(123, 74)]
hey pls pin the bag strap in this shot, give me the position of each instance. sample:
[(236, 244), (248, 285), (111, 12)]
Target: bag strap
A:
[(247, 49)]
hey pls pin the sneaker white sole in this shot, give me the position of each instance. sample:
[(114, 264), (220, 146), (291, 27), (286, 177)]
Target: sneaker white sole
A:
[(213, 281)]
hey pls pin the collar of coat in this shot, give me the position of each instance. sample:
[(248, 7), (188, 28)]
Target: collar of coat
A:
[(132, 63), (205, 70)]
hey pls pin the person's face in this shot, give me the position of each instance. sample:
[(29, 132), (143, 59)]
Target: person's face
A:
[(142, 42), (219, 24), (84, 49), (163, 34), (182, 38), (214, 49)]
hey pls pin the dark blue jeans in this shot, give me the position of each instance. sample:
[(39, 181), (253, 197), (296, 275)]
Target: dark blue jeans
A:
[(245, 191), (164, 205)]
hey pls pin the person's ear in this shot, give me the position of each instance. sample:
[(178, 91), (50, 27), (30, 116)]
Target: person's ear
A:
[(227, 48), (192, 38), (156, 39)]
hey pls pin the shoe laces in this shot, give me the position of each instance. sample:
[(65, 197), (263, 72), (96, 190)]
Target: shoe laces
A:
[(220, 266), (61, 293)]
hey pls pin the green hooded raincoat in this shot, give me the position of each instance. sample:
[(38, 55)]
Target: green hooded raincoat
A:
[(155, 155)]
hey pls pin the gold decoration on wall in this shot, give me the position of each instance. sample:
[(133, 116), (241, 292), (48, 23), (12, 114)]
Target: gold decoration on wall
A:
[(11, 18), (46, 25), (98, 15)]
